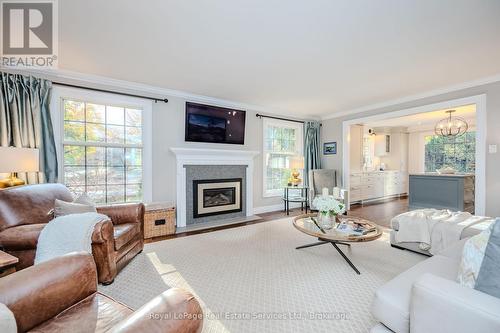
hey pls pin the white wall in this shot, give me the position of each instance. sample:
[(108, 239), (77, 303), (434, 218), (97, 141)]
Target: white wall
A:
[(168, 132), (332, 131)]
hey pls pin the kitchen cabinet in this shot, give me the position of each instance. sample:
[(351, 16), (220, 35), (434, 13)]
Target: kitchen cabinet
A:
[(356, 147), (382, 144), (432, 190), (366, 186)]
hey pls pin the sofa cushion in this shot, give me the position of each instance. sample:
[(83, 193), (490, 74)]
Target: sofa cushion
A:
[(454, 251), (489, 274), (124, 233), (391, 305), (23, 237), (96, 313), (62, 208)]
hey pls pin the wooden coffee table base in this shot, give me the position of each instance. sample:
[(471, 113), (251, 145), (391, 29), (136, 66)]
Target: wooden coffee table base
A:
[(334, 243)]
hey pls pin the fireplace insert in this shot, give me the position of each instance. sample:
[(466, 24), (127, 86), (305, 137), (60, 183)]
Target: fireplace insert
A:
[(216, 196)]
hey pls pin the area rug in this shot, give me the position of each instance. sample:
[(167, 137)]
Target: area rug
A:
[(252, 279)]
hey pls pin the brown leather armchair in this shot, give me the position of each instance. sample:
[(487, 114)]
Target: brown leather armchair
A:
[(25, 210), (60, 295)]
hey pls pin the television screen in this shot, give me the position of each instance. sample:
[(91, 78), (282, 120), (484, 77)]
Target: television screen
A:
[(214, 124)]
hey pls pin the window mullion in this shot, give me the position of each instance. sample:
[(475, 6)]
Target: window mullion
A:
[(104, 145)]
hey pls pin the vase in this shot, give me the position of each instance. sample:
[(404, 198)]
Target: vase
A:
[(326, 221)]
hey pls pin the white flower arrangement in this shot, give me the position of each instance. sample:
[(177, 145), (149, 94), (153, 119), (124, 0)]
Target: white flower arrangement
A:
[(328, 205)]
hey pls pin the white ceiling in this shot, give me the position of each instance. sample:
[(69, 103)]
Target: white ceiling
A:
[(467, 112), (305, 58)]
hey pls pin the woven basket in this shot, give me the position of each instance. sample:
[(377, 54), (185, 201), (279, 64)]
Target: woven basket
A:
[(159, 221)]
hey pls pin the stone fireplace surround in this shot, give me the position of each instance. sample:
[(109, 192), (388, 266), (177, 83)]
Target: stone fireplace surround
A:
[(211, 157)]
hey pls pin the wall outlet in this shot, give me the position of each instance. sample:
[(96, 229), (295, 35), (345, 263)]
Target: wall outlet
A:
[(492, 149)]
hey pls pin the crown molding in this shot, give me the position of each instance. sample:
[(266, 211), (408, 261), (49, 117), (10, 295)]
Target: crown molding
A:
[(67, 76), (411, 98)]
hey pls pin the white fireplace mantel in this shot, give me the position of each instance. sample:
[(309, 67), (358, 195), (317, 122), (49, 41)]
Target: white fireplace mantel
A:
[(195, 156)]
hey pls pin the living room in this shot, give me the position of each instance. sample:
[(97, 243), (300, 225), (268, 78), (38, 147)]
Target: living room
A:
[(209, 166)]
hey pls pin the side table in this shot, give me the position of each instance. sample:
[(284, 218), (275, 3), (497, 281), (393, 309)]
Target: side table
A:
[(301, 197), (7, 264)]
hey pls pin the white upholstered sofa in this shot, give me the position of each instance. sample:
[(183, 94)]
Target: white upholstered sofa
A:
[(426, 299)]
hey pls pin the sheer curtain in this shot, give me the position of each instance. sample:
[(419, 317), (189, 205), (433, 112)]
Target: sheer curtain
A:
[(312, 147), (25, 122)]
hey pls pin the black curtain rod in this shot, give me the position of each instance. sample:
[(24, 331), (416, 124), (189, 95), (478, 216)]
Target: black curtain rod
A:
[(165, 100), (279, 118), (258, 115)]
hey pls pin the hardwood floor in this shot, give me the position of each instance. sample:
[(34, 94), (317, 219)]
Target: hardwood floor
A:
[(380, 213)]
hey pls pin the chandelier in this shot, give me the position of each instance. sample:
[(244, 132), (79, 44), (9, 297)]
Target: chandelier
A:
[(451, 126)]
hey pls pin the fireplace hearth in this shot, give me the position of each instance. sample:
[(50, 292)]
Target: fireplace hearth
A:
[(216, 197)]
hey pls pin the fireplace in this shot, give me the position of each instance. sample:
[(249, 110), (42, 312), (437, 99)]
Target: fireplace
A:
[(216, 196)]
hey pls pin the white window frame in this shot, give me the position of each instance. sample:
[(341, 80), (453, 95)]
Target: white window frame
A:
[(299, 146), (57, 115)]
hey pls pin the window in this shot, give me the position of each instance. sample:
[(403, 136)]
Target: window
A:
[(102, 150), (282, 141), (456, 152)]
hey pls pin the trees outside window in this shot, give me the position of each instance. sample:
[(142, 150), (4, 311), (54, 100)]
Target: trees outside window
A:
[(103, 151), (456, 152)]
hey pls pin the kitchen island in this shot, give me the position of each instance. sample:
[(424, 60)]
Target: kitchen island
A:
[(442, 191)]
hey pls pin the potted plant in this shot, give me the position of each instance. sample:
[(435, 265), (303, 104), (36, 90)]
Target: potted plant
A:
[(328, 209)]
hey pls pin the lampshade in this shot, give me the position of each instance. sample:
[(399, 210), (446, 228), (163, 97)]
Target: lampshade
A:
[(18, 160), (297, 162)]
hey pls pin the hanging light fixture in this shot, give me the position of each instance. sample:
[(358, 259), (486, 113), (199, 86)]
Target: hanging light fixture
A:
[(451, 126)]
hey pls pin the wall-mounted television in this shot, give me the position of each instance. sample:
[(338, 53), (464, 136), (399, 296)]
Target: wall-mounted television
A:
[(205, 123)]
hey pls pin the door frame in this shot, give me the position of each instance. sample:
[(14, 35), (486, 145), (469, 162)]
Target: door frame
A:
[(481, 124)]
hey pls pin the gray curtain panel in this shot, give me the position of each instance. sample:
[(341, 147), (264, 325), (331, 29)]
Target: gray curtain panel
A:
[(25, 122), (312, 147)]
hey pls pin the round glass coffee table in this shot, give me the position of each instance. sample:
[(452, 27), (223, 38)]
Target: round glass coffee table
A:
[(309, 224)]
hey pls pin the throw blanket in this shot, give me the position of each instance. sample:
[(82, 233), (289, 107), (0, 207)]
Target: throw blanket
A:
[(7, 321), (433, 229), (65, 234)]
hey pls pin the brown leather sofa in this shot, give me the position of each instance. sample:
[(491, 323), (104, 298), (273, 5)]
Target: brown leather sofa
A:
[(25, 210), (60, 295)]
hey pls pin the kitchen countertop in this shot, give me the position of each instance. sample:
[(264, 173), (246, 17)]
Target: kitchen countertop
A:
[(435, 174), (374, 171)]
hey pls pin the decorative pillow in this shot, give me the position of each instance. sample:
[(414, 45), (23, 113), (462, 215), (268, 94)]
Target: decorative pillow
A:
[(7, 320), (82, 204), (480, 265), (489, 273)]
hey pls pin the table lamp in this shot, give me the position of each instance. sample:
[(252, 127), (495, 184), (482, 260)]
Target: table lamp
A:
[(14, 160), (296, 164)]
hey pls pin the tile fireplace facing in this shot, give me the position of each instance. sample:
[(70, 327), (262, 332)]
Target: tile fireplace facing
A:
[(215, 192), (212, 164), (216, 196)]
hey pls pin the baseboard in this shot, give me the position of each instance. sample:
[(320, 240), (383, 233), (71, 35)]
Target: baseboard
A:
[(273, 208)]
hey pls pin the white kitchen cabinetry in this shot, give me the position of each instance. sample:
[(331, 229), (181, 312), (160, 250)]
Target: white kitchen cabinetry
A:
[(356, 148), (382, 144), (376, 185)]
